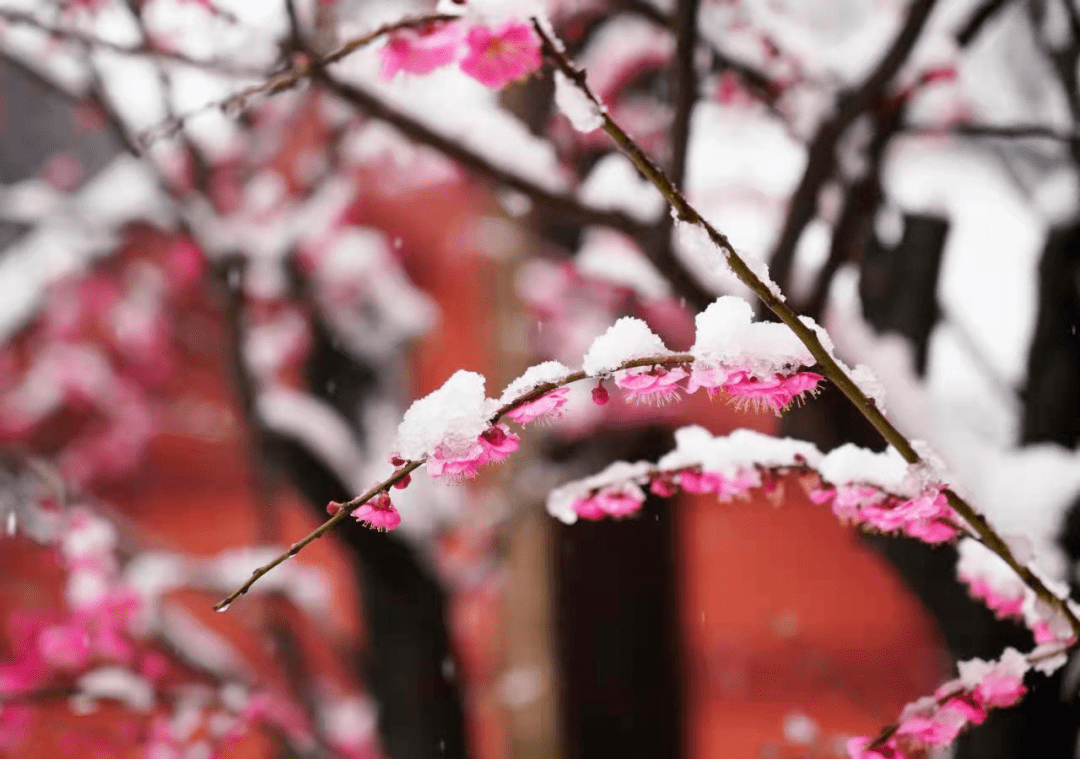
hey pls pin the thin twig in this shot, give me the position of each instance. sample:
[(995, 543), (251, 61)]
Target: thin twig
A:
[(807, 335)]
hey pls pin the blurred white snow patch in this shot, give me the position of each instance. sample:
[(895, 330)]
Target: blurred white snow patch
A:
[(615, 184), (613, 257), (583, 114), (627, 339), (450, 418), (618, 44), (118, 684), (197, 643), (811, 252), (317, 426), (800, 728), (1027, 491), (521, 686), (995, 237), (75, 229), (348, 722)]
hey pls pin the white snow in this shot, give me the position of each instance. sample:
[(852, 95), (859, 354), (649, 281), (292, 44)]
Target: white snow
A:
[(583, 114), (614, 183), (727, 336), (730, 454), (625, 475), (613, 257), (120, 684), (450, 418), (851, 464), (534, 376), (627, 339)]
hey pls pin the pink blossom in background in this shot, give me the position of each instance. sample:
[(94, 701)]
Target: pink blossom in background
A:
[(657, 384), (613, 502), (775, 394), (14, 722), (546, 406), (421, 50), (502, 54), (379, 513)]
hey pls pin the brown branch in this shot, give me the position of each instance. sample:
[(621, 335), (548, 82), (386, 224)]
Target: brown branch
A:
[(684, 85), (821, 158)]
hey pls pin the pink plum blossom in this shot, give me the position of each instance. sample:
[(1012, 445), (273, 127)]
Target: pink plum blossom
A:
[(776, 393), (547, 406), (614, 502), (378, 513), (502, 54), (421, 50), (494, 444), (656, 384)]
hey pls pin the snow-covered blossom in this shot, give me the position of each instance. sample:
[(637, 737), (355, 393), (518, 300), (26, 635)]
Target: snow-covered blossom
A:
[(421, 50), (775, 393), (501, 54), (494, 444), (378, 513), (546, 406), (655, 384), (936, 721), (610, 502)]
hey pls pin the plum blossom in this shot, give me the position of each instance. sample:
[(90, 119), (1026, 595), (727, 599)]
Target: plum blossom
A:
[(378, 513), (927, 517), (421, 50), (547, 406), (502, 54), (494, 444), (657, 384), (776, 393), (613, 502)]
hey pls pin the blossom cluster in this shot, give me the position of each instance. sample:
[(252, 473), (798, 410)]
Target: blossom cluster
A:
[(457, 429), (935, 721), (494, 55), (731, 465), (990, 580), (106, 642)]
